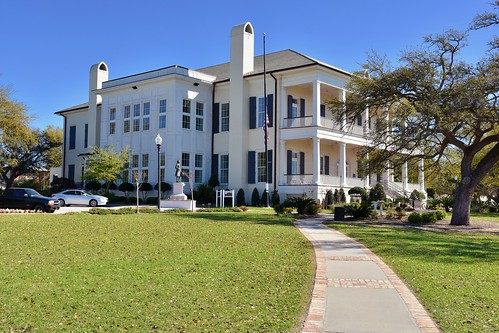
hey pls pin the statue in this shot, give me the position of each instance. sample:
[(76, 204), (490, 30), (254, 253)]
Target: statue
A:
[(178, 172)]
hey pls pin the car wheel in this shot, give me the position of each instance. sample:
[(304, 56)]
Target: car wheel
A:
[(62, 202), (93, 203), (39, 208)]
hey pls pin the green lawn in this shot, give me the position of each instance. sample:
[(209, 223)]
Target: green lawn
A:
[(455, 275), (204, 272)]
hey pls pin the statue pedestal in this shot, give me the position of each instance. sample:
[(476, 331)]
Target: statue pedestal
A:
[(178, 199)]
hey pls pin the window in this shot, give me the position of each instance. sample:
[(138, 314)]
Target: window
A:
[(186, 121), (145, 124), (185, 166), (294, 108), (71, 172), (136, 110), (162, 113), (224, 118), (72, 137), (146, 109), (112, 114), (198, 172), (145, 160), (359, 121), (145, 175), (126, 111), (261, 111), (199, 116), (224, 169), (126, 126), (112, 128), (136, 125), (261, 169), (85, 141), (186, 118), (135, 161)]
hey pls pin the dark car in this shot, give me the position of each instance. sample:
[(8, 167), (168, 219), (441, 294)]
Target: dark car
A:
[(27, 198)]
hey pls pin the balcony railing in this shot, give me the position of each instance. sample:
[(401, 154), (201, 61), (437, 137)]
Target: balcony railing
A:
[(297, 122), (292, 179), (324, 180)]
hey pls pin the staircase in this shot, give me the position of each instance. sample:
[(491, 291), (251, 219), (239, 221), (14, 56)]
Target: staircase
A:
[(392, 190)]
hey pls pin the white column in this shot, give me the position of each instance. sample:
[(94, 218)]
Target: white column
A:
[(343, 164), (421, 176), (282, 162), (388, 171), (367, 178), (317, 161), (284, 107), (366, 121), (343, 97), (316, 104), (405, 179)]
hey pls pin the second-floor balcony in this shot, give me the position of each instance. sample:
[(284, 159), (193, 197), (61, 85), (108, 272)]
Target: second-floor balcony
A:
[(308, 121)]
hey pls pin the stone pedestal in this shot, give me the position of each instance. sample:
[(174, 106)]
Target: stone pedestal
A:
[(178, 199), (178, 192)]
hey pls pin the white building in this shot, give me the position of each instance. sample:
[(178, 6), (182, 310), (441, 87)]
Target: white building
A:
[(211, 119)]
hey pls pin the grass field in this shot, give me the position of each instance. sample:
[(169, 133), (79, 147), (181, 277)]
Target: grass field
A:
[(204, 272), (455, 275)]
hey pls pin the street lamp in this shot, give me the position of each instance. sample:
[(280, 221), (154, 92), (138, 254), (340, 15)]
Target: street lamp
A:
[(158, 141)]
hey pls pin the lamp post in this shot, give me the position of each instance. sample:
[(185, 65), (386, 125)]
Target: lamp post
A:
[(158, 141)]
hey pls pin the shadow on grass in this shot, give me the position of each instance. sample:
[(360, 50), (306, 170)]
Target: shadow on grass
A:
[(246, 217), (424, 245)]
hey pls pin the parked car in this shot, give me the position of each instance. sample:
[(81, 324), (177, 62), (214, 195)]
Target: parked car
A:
[(27, 198), (80, 197)]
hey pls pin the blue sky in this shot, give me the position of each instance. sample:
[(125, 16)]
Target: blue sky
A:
[(47, 47)]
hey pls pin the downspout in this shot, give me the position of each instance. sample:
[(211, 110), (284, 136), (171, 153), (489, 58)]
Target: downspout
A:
[(275, 131), (212, 131), (64, 142)]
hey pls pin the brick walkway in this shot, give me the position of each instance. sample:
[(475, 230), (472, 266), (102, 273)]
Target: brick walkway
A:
[(349, 280)]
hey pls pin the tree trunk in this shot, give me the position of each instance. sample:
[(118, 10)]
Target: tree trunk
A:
[(462, 205)]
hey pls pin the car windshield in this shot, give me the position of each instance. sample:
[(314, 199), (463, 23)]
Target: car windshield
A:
[(33, 193)]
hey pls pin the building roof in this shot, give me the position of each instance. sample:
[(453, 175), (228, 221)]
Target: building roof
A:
[(276, 61), (73, 108)]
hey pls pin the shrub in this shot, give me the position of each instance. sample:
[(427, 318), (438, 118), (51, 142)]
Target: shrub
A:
[(213, 181), (328, 200), (255, 198), (440, 214), (61, 183), (93, 186), (415, 218), (431, 192), (265, 198), (276, 200), (112, 186), (304, 206), (447, 201), (429, 217), (358, 210), (377, 193), (358, 192), (240, 198), (336, 196), (343, 197), (205, 194)]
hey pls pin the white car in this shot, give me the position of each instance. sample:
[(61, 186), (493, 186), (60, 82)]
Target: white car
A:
[(80, 197)]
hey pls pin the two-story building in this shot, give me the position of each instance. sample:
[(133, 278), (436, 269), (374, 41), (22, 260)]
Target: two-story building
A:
[(211, 120)]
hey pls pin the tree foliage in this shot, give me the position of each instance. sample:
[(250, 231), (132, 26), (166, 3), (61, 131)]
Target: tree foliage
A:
[(105, 164), (432, 104)]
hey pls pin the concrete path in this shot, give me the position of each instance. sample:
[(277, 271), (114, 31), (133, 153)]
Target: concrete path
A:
[(356, 292)]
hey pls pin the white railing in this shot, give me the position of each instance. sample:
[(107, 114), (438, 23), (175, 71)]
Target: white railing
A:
[(297, 122), (329, 123), (298, 179), (330, 180), (353, 182)]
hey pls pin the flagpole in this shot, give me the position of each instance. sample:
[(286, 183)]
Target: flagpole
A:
[(266, 124)]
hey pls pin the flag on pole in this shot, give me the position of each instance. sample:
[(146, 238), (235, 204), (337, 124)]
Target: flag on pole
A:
[(265, 128)]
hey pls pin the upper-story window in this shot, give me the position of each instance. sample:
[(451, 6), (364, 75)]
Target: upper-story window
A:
[(162, 114), (261, 111), (72, 137), (199, 116), (136, 110), (294, 108), (224, 118), (112, 120), (126, 120), (126, 111), (112, 114), (146, 109), (186, 117)]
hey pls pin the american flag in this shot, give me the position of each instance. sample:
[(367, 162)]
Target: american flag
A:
[(265, 127)]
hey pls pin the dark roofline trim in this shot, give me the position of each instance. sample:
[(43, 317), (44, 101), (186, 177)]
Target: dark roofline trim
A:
[(70, 110)]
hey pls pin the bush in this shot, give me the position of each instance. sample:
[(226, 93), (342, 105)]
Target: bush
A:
[(440, 214), (205, 194), (60, 184), (240, 198), (213, 181), (358, 192), (255, 198), (447, 201), (304, 206), (276, 200), (429, 217), (265, 198), (359, 210), (328, 200), (377, 193), (342, 195), (93, 186), (415, 218)]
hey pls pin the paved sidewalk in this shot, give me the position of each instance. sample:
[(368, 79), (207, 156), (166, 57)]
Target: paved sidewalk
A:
[(356, 292)]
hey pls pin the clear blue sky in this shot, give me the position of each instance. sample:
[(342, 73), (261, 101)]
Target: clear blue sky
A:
[(47, 47)]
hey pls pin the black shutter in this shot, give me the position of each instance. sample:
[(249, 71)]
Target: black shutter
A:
[(290, 106), (270, 109), (326, 165), (269, 165), (252, 112), (289, 161), (214, 166), (323, 110), (302, 107), (251, 167), (216, 118), (302, 163)]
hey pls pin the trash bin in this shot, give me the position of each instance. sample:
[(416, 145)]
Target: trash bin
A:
[(339, 213)]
